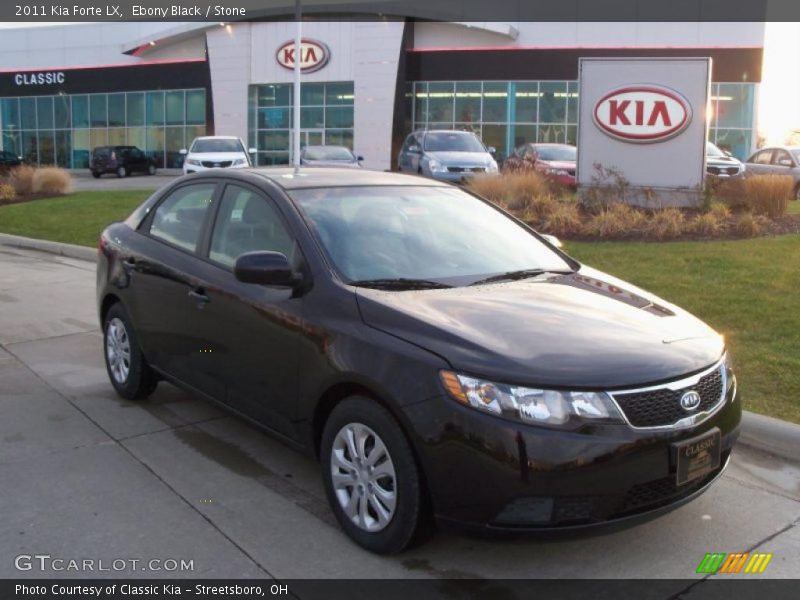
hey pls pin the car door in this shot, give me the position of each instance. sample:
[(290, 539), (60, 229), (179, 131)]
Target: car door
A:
[(761, 162), (166, 294), (782, 162), (251, 331), (137, 160)]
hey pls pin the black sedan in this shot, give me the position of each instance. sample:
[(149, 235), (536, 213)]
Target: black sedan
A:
[(439, 357)]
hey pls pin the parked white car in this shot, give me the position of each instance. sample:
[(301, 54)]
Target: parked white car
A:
[(216, 152)]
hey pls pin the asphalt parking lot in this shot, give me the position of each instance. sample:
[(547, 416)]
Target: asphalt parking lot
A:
[(82, 180), (85, 474)]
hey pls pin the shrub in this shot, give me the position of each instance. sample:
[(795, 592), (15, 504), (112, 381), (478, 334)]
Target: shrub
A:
[(565, 219), (706, 224), (760, 194), (491, 187), (7, 192), (719, 210), (750, 225), (52, 180), (541, 207), (770, 194), (665, 223), (607, 223), (22, 180)]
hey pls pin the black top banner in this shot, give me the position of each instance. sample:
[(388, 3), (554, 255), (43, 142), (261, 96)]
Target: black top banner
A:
[(442, 10)]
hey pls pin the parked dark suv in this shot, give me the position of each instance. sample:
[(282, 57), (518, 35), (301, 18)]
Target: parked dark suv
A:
[(437, 355), (9, 160), (121, 160)]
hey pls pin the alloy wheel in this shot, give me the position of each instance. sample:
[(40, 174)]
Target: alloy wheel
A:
[(363, 477), (118, 350)]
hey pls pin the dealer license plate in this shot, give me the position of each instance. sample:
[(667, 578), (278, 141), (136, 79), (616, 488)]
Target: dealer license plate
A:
[(698, 457)]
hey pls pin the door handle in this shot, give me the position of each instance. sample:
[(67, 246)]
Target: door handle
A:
[(129, 264), (199, 295)]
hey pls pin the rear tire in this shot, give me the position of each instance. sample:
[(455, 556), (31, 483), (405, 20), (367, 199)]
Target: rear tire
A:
[(371, 478), (96, 175), (122, 172), (151, 169), (127, 369)]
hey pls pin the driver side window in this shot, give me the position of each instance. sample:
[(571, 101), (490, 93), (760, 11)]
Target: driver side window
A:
[(247, 222)]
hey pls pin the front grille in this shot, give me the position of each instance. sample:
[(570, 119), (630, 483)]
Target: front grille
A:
[(466, 169), (662, 407), (723, 170), (210, 164), (732, 170)]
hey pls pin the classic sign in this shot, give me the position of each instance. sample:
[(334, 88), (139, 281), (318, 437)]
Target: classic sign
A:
[(49, 78), (642, 113), (313, 55)]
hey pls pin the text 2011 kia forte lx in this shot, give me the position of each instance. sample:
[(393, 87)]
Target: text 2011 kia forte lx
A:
[(437, 355)]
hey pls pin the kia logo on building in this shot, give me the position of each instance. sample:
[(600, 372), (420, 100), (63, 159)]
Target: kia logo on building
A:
[(313, 55), (642, 113)]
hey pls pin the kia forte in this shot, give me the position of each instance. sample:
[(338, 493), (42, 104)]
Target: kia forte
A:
[(443, 361)]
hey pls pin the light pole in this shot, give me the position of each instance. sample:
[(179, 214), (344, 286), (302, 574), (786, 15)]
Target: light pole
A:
[(298, 55)]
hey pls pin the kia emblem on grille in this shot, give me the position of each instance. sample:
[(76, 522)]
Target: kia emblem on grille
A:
[(690, 400)]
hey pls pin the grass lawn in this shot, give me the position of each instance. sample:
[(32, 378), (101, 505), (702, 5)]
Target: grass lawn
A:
[(794, 207), (75, 219), (749, 290)]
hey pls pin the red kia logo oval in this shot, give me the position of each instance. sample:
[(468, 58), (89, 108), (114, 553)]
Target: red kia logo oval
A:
[(642, 113), (313, 55)]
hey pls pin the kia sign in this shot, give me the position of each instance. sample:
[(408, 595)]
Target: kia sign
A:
[(642, 130), (313, 55), (642, 114)]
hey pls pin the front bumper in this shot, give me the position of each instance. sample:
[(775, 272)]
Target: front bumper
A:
[(493, 474), (198, 168), (457, 176)]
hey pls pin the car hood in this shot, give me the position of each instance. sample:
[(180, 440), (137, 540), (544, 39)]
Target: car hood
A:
[(559, 164), (582, 330), (462, 159), (726, 161), (344, 164), (216, 156)]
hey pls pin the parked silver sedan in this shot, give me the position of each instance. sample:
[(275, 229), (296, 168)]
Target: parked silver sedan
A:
[(778, 160)]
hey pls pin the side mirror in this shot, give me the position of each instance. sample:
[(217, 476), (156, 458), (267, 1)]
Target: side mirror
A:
[(554, 241), (359, 158), (414, 149), (183, 151), (786, 162), (264, 268), (492, 150), (252, 150)]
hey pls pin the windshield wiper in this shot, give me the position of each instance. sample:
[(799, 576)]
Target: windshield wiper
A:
[(520, 274), (401, 283)]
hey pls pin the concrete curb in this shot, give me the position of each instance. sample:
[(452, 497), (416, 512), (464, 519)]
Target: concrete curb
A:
[(777, 437), (68, 250), (767, 434)]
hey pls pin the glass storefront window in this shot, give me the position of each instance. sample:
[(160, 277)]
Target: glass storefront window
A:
[(80, 148), (495, 102), (338, 117), (313, 117), (29, 146), (135, 109), (339, 93), (116, 110), (116, 136), (468, 102), (44, 112), (734, 105), (553, 102), (80, 111), (526, 101), (9, 114), (47, 148), (312, 94), (154, 108), (63, 148), (63, 115), (440, 101), (195, 107), (522, 134), (174, 108), (27, 111), (174, 143), (98, 110)]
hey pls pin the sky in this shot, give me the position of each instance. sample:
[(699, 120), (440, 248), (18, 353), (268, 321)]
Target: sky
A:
[(779, 98)]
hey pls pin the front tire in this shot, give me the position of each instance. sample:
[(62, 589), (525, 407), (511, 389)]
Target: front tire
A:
[(371, 479), (96, 174), (127, 369)]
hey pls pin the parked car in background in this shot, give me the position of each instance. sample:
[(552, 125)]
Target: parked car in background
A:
[(778, 160), (120, 160), (439, 357), (329, 156), (556, 161), (721, 163), (446, 154), (9, 160), (216, 152)]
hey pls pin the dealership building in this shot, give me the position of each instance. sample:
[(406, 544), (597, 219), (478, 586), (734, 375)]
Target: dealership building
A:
[(366, 84)]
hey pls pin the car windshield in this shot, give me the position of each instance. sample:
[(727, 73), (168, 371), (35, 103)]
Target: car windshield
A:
[(217, 145), (452, 141), (712, 150), (435, 234), (563, 153), (327, 153)]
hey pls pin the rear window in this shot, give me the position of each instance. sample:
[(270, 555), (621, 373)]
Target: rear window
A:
[(104, 152)]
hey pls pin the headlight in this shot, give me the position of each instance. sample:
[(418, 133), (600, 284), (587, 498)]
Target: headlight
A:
[(238, 161), (193, 161), (730, 377), (529, 405), (435, 166), (492, 168)]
